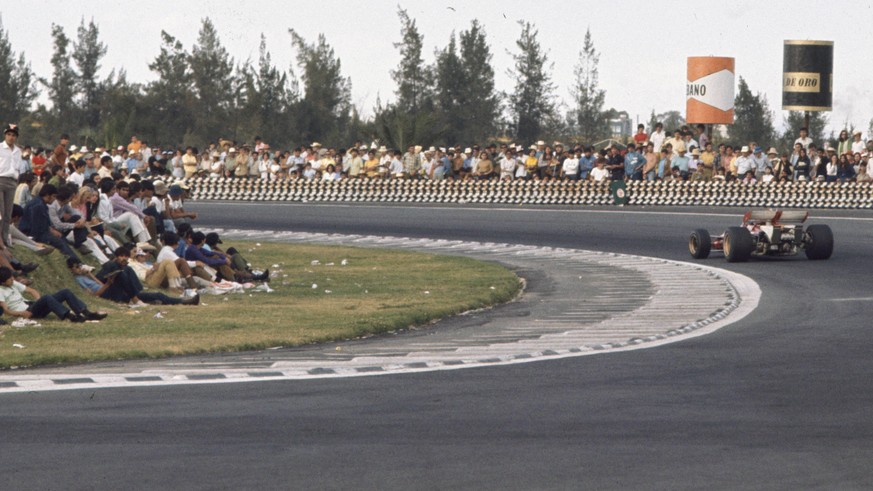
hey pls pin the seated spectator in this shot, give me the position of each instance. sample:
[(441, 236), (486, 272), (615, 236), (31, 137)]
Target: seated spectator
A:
[(23, 193), (18, 238), (174, 275), (119, 283), (36, 223), (484, 168), (749, 177), (71, 225), (862, 174), (218, 260), (122, 219), (14, 304)]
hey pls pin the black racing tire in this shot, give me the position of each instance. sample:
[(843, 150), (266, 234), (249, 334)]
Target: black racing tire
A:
[(699, 244), (819, 242), (737, 244)]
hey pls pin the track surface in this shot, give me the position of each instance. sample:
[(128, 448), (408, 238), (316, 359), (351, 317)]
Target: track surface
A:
[(779, 400)]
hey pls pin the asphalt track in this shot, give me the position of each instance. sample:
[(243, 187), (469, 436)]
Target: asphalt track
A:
[(779, 400)]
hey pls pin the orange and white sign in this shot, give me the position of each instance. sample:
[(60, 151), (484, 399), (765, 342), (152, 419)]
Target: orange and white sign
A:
[(709, 90)]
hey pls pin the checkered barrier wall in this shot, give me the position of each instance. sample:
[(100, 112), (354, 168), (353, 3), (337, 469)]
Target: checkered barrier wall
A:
[(642, 193)]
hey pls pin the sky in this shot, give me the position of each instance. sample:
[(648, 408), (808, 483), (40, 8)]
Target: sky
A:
[(643, 45)]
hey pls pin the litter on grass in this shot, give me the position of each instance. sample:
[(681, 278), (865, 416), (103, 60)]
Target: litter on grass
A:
[(19, 346)]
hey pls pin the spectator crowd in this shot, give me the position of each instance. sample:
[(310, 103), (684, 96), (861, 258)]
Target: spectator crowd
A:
[(131, 224)]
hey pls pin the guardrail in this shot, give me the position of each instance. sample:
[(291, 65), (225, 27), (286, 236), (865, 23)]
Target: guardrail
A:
[(657, 193)]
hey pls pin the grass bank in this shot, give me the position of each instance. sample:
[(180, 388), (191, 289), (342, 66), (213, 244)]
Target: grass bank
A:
[(348, 293)]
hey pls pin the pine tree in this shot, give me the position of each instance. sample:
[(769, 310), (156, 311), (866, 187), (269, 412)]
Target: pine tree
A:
[(169, 97), (87, 52), (17, 87), (323, 111), (62, 86), (479, 102), (591, 123), (411, 118), (119, 104), (753, 119), (532, 104), (213, 80), (449, 83), (412, 75)]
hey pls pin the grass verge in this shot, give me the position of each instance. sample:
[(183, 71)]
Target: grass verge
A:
[(377, 291)]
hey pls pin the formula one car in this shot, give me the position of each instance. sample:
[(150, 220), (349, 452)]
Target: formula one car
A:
[(766, 233)]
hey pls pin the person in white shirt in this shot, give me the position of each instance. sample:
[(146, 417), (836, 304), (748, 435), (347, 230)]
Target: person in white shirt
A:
[(658, 136), (10, 159), (570, 167), (507, 165), (78, 177), (804, 139), (600, 173), (858, 146)]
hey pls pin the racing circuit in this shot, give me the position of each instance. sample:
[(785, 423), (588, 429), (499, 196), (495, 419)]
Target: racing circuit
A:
[(778, 398)]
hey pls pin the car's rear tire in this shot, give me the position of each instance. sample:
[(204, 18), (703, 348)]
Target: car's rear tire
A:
[(737, 244), (819, 242), (699, 244)]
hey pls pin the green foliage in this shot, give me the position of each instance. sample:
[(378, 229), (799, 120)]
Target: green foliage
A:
[(212, 77), (170, 97), (87, 52), (671, 120), (324, 109), (62, 86), (591, 123), (753, 118), (532, 104), (17, 82)]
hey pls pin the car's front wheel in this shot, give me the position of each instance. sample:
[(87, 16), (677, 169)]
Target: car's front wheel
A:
[(699, 244)]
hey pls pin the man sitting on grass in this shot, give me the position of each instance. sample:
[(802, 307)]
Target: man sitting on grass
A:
[(119, 283), (13, 302)]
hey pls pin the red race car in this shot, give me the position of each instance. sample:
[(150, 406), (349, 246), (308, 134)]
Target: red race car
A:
[(766, 233)]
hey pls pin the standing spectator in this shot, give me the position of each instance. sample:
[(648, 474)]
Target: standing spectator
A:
[(658, 136), (508, 165), (650, 169), (600, 173), (744, 162), (586, 163), (844, 144), (858, 145), (10, 158), (411, 163), (804, 138), (640, 138), (707, 162), (59, 155), (570, 166), (702, 137), (681, 162), (760, 161), (615, 164), (634, 163)]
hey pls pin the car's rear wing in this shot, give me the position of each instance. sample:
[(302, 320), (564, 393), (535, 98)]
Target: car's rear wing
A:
[(775, 217)]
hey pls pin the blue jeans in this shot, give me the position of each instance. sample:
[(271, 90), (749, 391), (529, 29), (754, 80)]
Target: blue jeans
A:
[(55, 303)]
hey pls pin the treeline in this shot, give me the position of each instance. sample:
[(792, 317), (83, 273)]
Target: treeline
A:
[(202, 94)]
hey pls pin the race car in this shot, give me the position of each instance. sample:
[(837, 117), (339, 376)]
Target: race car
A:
[(766, 233)]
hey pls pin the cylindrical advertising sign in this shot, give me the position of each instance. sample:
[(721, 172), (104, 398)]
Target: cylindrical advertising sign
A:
[(808, 75), (709, 90)]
